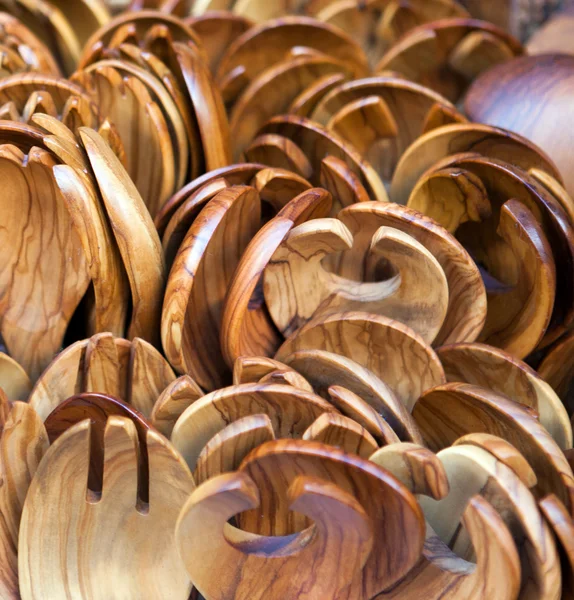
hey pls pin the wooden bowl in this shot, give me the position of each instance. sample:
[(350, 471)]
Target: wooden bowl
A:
[(532, 96)]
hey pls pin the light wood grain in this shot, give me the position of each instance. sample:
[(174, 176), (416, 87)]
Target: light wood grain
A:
[(344, 185), (172, 402), (280, 152), (43, 277), (497, 370), (455, 409), (291, 411), (326, 369), (143, 537), (199, 279), (471, 471), (298, 288), (14, 380), (557, 369), (304, 104), (382, 497), (135, 235), (374, 341), (252, 369), (225, 562), (226, 450), (466, 312), (23, 443)]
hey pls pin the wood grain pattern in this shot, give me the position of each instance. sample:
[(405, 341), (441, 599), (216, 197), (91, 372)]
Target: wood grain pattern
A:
[(199, 279), (326, 369), (557, 369), (143, 537), (135, 235), (395, 353), (466, 312), (278, 36), (503, 451), (298, 288), (291, 411), (43, 277), (471, 137), (246, 328), (226, 450), (252, 369), (354, 407), (14, 380), (382, 497), (23, 443), (107, 273), (416, 467), (344, 185), (497, 370), (561, 523), (280, 152), (316, 142), (473, 471), (225, 562), (172, 402), (304, 104), (410, 105), (447, 54), (277, 187), (343, 433), (544, 79), (455, 409), (272, 92)]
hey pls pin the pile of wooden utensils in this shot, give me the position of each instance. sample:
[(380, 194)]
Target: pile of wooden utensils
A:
[(271, 304)]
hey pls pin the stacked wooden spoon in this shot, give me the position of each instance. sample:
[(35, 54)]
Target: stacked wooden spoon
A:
[(270, 304)]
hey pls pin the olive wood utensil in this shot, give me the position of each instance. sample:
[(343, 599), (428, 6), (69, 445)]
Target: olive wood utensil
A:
[(135, 235), (557, 369), (23, 443), (450, 411), (471, 471), (445, 141), (291, 411), (246, 327), (14, 380), (327, 369), (142, 560), (466, 312), (391, 350), (383, 498), (298, 288), (172, 402), (227, 448), (304, 104), (226, 562), (280, 152), (258, 369), (344, 185), (201, 273), (492, 368), (41, 291), (354, 407)]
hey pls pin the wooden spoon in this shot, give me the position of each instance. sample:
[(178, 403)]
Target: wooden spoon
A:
[(14, 380), (142, 559), (497, 370), (226, 562)]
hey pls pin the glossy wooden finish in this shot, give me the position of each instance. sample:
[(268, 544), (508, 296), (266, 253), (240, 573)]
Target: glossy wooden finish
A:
[(327, 369), (14, 380), (471, 471), (556, 369), (499, 371), (255, 369), (172, 402), (291, 412), (467, 297), (23, 443), (496, 98), (395, 353), (381, 496), (455, 409), (120, 536), (224, 562)]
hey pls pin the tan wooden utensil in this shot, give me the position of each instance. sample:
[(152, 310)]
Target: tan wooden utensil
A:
[(298, 288), (497, 370), (172, 402), (382, 497), (253, 369), (118, 545), (14, 380), (395, 353), (556, 369), (225, 562), (326, 369), (23, 442), (455, 409), (291, 412)]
